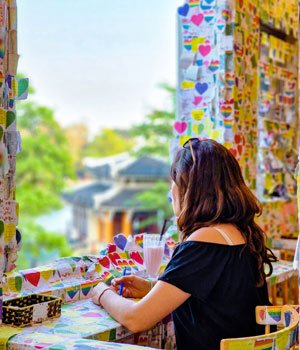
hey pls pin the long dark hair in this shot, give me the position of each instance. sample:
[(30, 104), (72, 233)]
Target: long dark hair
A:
[(212, 191)]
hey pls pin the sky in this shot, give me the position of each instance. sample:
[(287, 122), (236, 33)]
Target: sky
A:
[(98, 62)]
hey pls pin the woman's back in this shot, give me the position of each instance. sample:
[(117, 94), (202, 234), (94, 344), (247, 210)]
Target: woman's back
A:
[(221, 279)]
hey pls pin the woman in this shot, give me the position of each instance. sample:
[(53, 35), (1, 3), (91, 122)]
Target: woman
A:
[(216, 276)]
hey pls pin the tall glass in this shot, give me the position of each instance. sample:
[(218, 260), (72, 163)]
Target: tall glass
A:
[(154, 246)]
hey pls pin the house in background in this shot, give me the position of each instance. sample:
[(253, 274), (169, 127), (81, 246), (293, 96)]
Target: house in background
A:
[(107, 205)]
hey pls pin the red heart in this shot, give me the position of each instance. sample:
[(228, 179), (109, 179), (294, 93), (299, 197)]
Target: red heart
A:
[(136, 256), (111, 247), (114, 257), (240, 149), (262, 315), (233, 152), (33, 277), (237, 138), (104, 262)]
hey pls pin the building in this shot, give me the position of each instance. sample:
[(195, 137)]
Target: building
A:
[(107, 205)]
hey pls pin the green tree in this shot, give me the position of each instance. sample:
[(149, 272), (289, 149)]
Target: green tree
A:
[(44, 164), (108, 143), (156, 199), (43, 167), (156, 131)]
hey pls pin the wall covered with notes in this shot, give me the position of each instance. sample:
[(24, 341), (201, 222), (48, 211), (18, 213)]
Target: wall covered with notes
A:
[(237, 84), (11, 89)]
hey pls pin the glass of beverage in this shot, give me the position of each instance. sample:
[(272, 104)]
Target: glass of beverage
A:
[(154, 246)]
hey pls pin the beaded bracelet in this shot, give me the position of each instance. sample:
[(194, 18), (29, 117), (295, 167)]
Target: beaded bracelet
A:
[(101, 294)]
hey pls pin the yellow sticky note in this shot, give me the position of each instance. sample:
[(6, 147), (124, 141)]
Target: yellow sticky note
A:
[(198, 115), (9, 232), (14, 87), (2, 117), (185, 85), (196, 42)]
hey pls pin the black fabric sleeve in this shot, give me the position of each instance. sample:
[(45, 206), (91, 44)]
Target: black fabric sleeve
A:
[(195, 268)]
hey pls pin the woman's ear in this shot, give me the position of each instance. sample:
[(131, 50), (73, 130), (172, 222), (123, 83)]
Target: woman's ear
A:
[(176, 199)]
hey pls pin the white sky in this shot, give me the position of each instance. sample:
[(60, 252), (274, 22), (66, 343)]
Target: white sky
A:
[(97, 61)]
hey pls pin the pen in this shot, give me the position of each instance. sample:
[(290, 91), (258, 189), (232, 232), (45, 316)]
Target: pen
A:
[(122, 283)]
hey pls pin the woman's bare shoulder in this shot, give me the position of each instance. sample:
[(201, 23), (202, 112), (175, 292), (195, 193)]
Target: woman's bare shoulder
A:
[(206, 234)]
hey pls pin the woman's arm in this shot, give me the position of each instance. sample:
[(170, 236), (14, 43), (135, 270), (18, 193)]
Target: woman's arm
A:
[(141, 315)]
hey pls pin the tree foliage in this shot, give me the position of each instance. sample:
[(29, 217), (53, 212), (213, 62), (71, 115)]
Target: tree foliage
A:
[(156, 131), (44, 164), (156, 199), (43, 167), (109, 142)]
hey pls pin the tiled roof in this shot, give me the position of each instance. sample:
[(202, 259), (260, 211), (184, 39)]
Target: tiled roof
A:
[(84, 196), (146, 168), (126, 198), (100, 171)]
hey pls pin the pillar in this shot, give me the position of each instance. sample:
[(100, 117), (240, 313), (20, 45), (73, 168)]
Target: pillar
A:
[(108, 227), (127, 223)]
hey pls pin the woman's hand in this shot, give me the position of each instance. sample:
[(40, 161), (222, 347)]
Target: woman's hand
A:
[(98, 291), (134, 286)]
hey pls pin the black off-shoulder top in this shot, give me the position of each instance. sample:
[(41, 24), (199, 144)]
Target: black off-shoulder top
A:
[(222, 282)]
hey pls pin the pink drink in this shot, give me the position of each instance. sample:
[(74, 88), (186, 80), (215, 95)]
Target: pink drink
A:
[(153, 258)]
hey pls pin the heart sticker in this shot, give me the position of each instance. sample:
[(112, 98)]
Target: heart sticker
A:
[(10, 118), (33, 277), (204, 50), (120, 241), (209, 16), (197, 115), (197, 128), (183, 10), (214, 65), (226, 110), (104, 262), (187, 44), (194, 3), (230, 79), (46, 274), (197, 100), (197, 19), (180, 127), (201, 88), (136, 256)]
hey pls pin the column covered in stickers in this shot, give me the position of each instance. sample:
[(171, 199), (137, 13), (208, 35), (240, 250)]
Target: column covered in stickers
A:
[(237, 84), (277, 117), (210, 94), (11, 89)]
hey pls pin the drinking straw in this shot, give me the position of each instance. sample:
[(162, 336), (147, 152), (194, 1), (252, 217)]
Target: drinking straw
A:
[(122, 283), (163, 229)]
